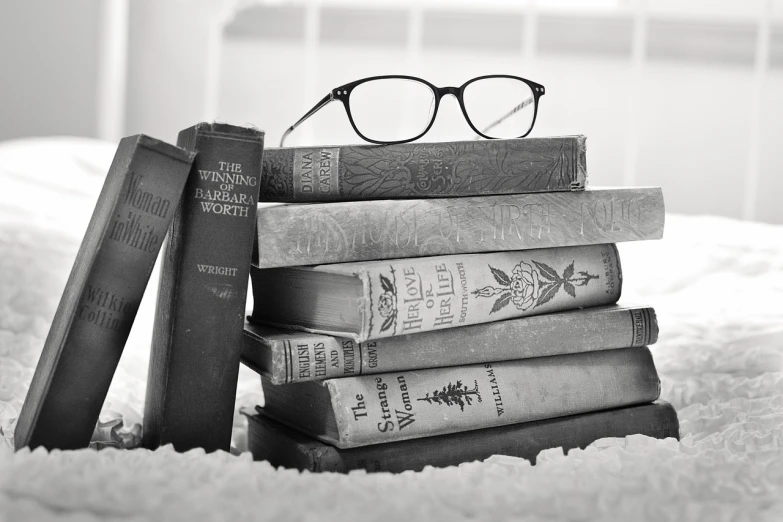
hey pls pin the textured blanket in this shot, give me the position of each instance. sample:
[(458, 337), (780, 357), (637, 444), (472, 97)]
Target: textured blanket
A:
[(717, 286)]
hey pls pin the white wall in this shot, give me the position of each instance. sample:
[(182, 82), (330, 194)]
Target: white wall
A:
[(167, 51), (49, 56)]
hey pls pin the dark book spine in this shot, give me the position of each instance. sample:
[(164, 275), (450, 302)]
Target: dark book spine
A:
[(295, 235), (102, 295), (203, 285), (424, 170), (283, 446), (286, 356)]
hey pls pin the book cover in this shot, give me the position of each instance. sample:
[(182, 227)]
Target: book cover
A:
[(196, 342), (282, 446), (374, 409), (286, 356), (102, 294), (423, 170), (293, 235), (376, 299)]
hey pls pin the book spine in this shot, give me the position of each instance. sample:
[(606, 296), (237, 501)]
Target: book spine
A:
[(406, 405), (102, 294), (424, 170), (203, 287), (297, 357), (417, 295), (284, 447), (295, 235)]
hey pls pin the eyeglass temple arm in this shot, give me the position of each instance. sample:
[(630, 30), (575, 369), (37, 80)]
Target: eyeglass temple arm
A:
[(506, 116), (318, 106)]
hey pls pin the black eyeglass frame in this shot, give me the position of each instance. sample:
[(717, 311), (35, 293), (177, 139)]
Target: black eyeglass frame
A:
[(343, 94)]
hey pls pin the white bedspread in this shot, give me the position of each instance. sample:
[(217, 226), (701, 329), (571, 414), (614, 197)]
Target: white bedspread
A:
[(717, 286)]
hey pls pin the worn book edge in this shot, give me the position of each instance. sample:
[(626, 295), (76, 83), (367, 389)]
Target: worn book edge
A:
[(581, 169)]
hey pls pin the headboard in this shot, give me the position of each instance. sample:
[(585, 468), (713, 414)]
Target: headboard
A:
[(682, 96)]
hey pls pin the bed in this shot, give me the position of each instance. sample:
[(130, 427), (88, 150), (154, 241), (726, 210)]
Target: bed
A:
[(717, 286)]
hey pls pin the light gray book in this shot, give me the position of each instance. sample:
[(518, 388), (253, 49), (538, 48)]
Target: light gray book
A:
[(286, 356), (318, 233)]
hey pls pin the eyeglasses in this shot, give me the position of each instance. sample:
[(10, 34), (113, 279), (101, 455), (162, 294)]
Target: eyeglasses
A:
[(399, 109)]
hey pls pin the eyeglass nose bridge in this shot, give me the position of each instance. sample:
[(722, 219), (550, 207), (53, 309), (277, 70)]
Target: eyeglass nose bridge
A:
[(443, 91)]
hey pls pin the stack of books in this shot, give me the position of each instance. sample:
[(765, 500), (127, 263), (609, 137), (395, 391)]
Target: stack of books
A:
[(428, 304), (439, 303)]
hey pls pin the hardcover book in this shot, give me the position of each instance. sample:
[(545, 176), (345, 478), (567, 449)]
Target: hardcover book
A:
[(285, 356), (282, 446), (424, 170), (376, 299), (102, 294), (293, 235), (196, 342), (374, 409)]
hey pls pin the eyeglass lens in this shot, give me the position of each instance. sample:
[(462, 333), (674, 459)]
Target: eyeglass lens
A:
[(392, 109), (500, 107)]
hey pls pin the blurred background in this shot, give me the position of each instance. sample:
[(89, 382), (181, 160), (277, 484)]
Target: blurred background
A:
[(687, 95)]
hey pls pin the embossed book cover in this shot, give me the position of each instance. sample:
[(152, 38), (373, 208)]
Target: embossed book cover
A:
[(293, 235), (424, 170)]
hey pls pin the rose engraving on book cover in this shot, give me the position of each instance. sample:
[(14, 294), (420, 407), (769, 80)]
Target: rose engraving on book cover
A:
[(416, 295), (530, 287), (387, 303)]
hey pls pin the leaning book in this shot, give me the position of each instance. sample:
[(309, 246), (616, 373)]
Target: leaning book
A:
[(99, 304), (196, 339)]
